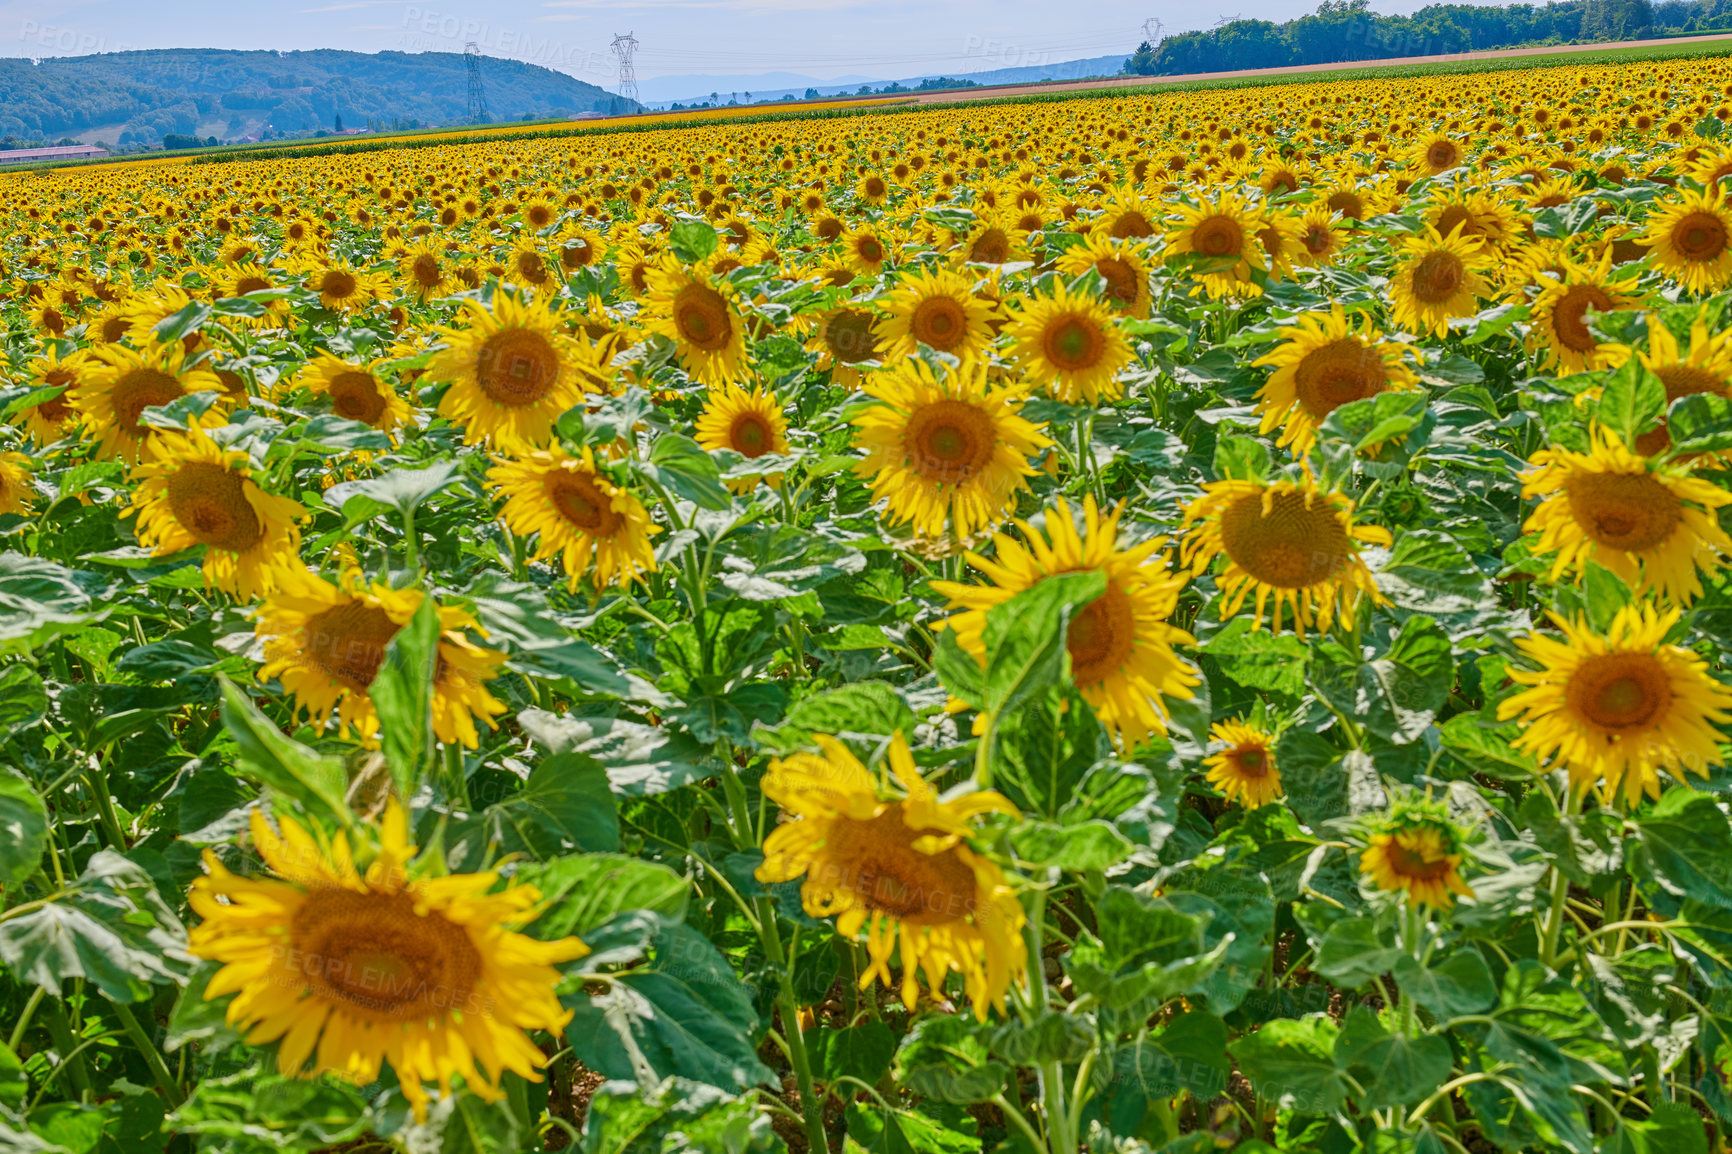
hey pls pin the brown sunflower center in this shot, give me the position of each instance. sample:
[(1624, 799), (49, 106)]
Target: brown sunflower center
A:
[(1120, 278), (581, 502), (1101, 636), (939, 322), (1442, 154), (531, 267), (1073, 343), (1250, 762), (1620, 692), (1568, 315), (875, 186), (576, 253), (949, 442), (991, 247), (1131, 224), (251, 284), (1218, 236), (702, 317), (1438, 276), (1348, 204), (1699, 236), (374, 953), (1292, 545), (1318, 239), (356, 397), (138, 390), (850, 338), (347, 642), (1628, 511), (211, 504), (1455, 215), (426, 271), (750, 435), (517, 367), (1339, 372), (1415, 864), (869, 249), (878, 861), (113, 328), (338, 285)]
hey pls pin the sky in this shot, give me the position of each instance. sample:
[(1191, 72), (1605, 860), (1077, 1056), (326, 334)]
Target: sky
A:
[(825, 39)]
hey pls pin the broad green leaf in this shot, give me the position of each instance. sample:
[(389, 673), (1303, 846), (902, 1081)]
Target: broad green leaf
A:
[(1258, 658), (1188, 1053), (1026, 637), (680, 1011), (945, 1057), (566, 806), (1429, 572), (1052, 1037), (1084, 846), (873, 709), (39, 600), (881, 1130), (1395, 696), (862, 1051), (1689, 844), (1351, 953), (1396, 1070), (13, 1084), (581, 892), (1633, 401), (682, 466), (1045, 749), (692, 240), (402, 692), (23, 827), (1292, 1064), (639, 759), (285, 765), (1460, 984), (1700, 423), (23, 700), (404, 490)]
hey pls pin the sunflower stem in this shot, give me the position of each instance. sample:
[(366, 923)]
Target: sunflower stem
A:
[(1554, 927), (983, 751), (411, 543), (97, 780), (152, 1056), (1052, 1106), (788, 1005)]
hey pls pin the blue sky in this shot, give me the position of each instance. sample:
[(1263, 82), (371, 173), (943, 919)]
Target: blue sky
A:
[(819, 38)]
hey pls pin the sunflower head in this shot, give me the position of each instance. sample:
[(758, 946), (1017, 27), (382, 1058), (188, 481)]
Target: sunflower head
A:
[(1415, 850), (1244, 768), (896, 864), (1070, 343), (1690, 240), (514, 367), (1325, 363)]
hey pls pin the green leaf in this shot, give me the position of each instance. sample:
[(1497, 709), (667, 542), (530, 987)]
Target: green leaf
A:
[(112, 929), (23, 827), (864, 709), (958, 671), (1291, 1063), (1689, 844), (686, 470), (639, 759), (1395, 1069), (315, 781), (198, 1019), (1427, 571), (1045, 749), (13, 1084), (1352, 953), (680, 1011), (1188, 1053), (566, 806), (402, 692), (1460, 984), (1259, 659), (1633, 401), (23, 700), (404, 490), (1084, 846), (1312, 776), (944, 1057), (542, 642), (40, 600), (1242, 459), (1395, 696), (1026, 636), (177, 325), (692, 240), (1052, 1037), (1148, 950), (893, 1131), (863, 1051), (1700, 423), (579, 893)]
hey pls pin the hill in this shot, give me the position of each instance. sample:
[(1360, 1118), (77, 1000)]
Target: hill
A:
[(772, 86), (134, 98)]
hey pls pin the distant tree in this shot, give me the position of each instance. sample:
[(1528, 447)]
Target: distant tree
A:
[(337, 121), (812, 94), (865, 90), (1142, 61)]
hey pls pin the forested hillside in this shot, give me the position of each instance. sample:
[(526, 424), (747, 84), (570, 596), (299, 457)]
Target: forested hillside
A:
[(234, 94), (1346, 30)]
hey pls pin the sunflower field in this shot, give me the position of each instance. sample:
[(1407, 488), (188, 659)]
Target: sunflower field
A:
[(1172, 622)]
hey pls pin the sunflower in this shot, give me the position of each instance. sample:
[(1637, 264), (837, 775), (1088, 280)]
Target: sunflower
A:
[(1655, 526), (1325, 364), (1320, 239), (845, 343), (397, 962), (1438, 153), (1616, 709), (1690, 240), (1224, 234), (954, 448), (1707, 368), (991, 239), (357, 392), (193, 492), (578, 512), (1123, 272), (423, 271), (116, 384), (1120, 644), (514, 368), (1069, 344), (867, 248), (685, 306), (341, 287), (1292, 543), (1417, 853), (1438, 278), (749, 423), (1559, 313), (16, 495), (325, 644), (53, 417), (937, 310), (899, 868), (1477, 215), (1245, 770), (1127, 216)]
